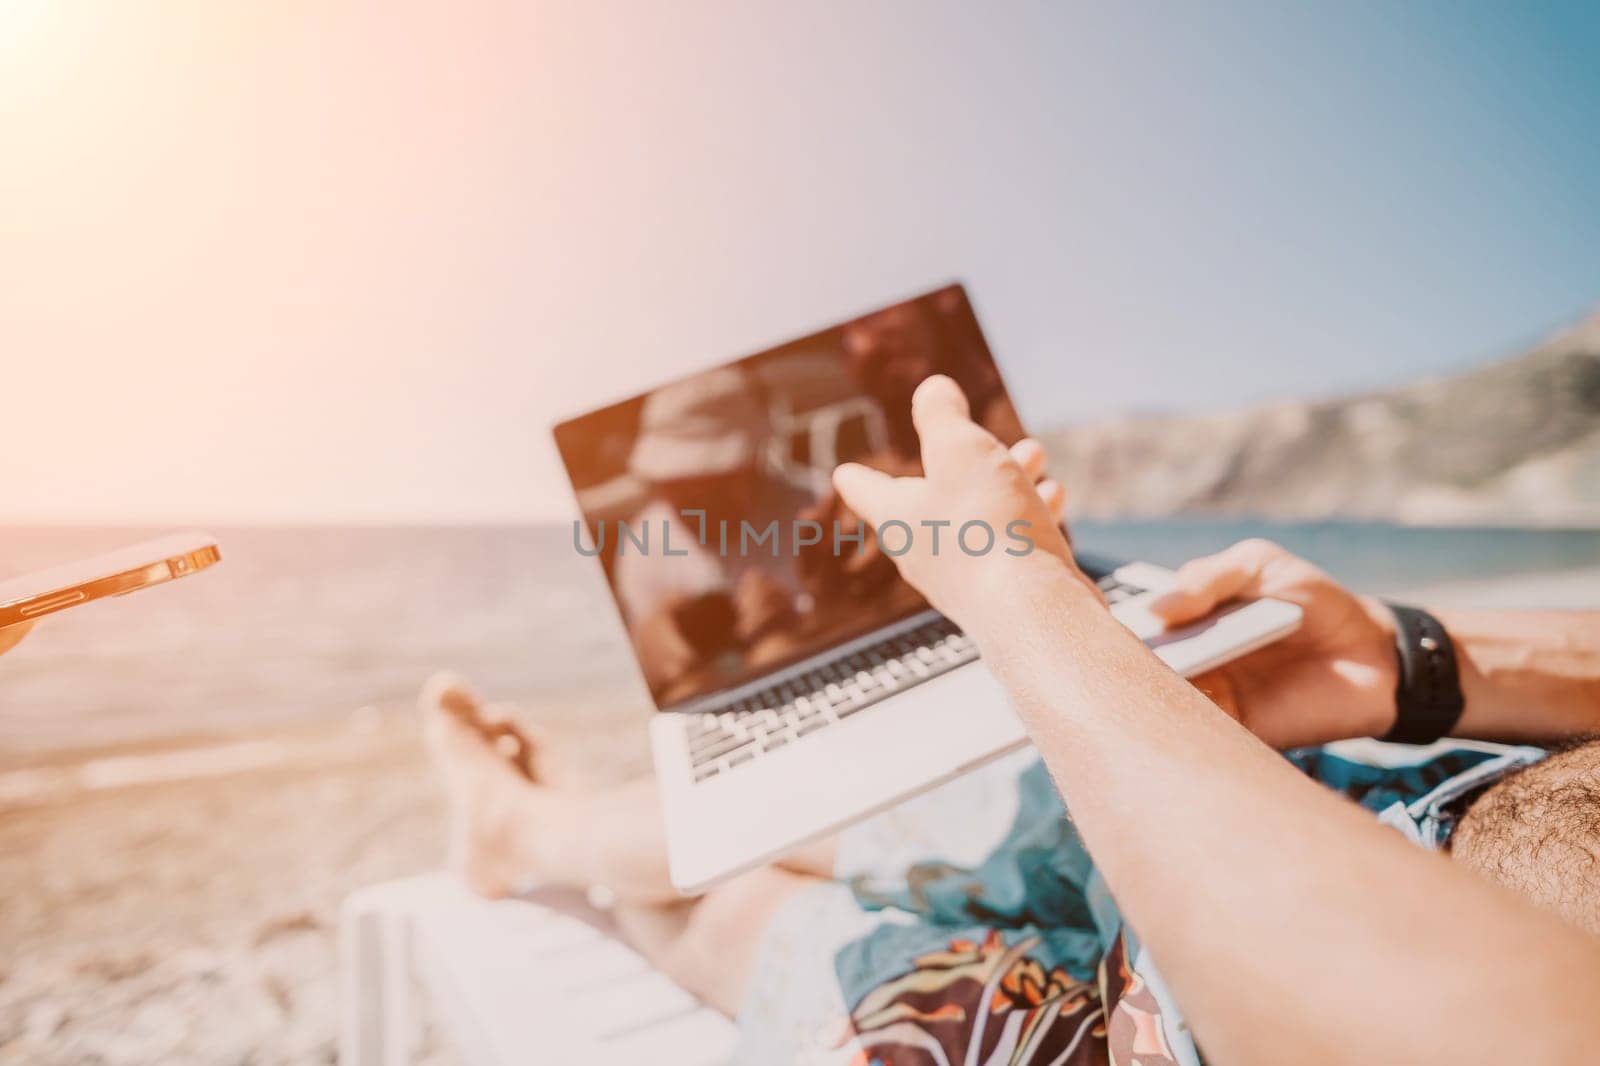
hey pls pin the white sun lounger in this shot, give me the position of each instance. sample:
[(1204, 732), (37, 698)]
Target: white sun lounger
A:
[(514, 982)]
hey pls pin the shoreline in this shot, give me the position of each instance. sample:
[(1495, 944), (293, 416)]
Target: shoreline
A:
[(60, 774)]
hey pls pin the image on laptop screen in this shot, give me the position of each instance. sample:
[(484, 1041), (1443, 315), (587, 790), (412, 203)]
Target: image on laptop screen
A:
[(708, 501)]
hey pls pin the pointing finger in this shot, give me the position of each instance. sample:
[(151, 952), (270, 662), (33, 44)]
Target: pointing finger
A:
[(951, 442), (937, 400)]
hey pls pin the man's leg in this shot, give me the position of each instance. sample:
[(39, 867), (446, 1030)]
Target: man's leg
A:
[(1537, 831), (508, 830), (708, 945)]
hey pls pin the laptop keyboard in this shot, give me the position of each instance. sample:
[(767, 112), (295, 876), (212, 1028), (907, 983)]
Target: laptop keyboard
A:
[(765, 721), (720, 741)]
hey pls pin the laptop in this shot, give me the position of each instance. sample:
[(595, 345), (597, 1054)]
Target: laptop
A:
[(800, 685)]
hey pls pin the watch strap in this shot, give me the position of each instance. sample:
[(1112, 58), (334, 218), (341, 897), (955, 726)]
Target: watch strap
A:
[(1428, 700)]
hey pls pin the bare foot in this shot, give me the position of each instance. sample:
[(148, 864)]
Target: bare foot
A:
[(498, 808)]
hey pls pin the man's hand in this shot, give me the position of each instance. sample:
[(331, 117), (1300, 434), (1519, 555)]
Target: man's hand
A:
[(1332, 678), (1295, 887), (10, 635), (969, 477)]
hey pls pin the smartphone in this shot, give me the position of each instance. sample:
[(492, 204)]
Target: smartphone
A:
[(117, 573)]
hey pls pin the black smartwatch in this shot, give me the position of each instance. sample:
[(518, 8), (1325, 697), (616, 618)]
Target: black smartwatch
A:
[(1427, 699)]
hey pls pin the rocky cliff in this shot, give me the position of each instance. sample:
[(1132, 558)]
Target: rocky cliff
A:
[(1514, 443)]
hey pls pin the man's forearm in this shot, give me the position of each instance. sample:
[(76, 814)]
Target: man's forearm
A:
[(1286, 920), (1527, 675)]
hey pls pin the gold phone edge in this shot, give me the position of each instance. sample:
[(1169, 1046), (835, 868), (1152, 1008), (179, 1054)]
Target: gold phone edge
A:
[(168, 569)]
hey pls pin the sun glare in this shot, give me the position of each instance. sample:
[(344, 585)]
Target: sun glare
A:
[(18, 19)]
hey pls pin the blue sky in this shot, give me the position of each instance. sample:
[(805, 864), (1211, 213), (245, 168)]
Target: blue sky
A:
[(319, 262)]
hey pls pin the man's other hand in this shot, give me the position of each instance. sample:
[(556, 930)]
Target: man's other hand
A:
[(1332, 678)]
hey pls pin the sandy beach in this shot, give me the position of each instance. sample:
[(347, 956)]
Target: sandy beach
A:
[(177, 902), (194, 921)]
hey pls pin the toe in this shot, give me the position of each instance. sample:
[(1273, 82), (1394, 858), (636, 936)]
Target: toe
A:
[(469, 738), (449, 692), (451, 726)]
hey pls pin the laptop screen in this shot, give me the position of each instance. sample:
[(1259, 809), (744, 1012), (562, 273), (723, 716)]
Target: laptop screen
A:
[(707, 500)]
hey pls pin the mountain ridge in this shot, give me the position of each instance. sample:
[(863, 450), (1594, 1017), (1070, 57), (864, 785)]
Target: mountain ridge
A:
[(1513, 442)]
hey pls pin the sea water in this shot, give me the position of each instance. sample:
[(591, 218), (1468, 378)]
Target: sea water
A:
[(306, 624)]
